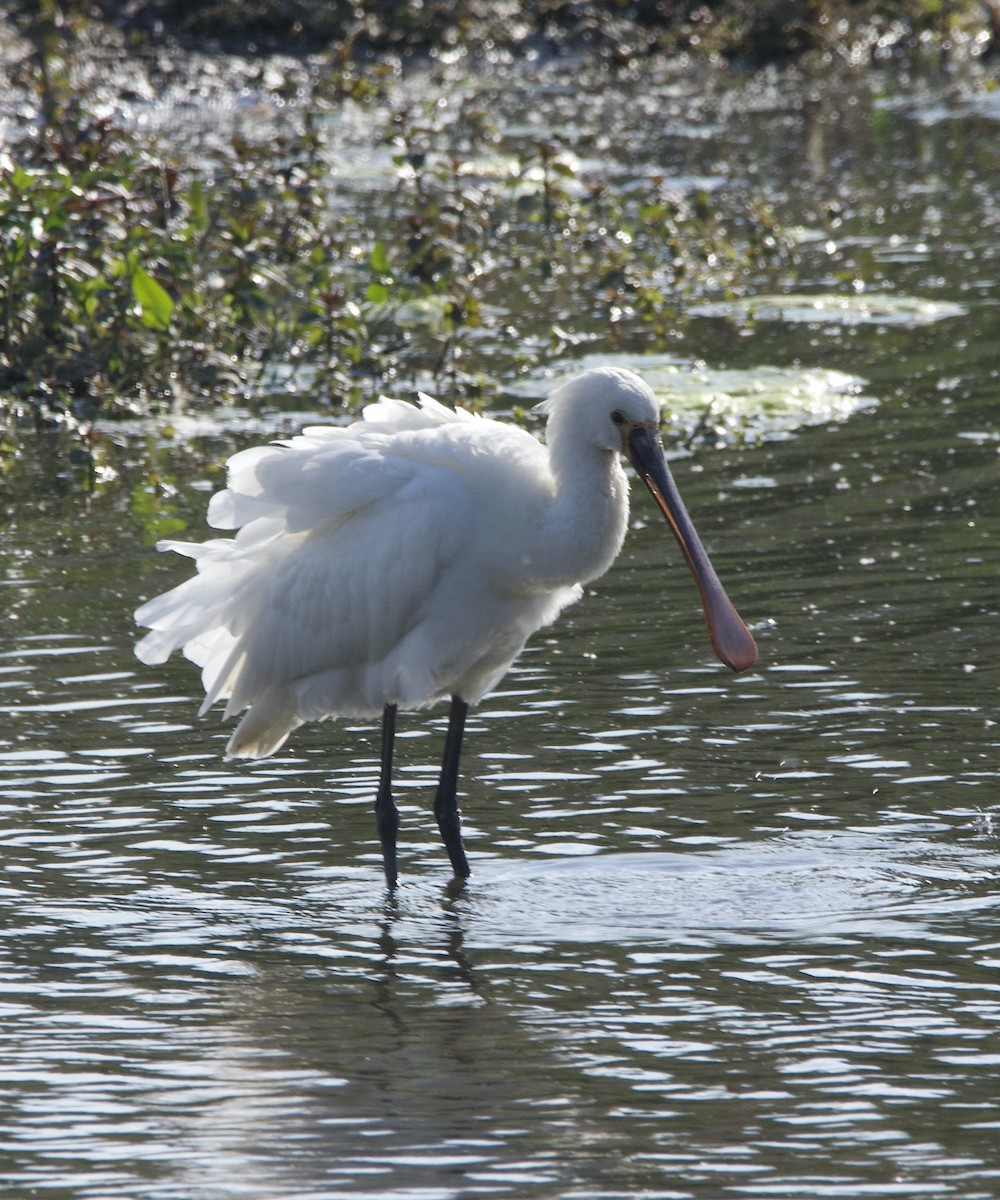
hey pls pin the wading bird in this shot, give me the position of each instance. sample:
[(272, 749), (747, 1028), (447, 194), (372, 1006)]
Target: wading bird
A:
[(407, 558)]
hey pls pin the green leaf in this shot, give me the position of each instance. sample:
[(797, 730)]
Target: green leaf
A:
[(198, 205), (21, 180), (379, 259), (155, 306)]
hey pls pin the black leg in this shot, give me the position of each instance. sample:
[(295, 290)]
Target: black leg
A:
[(446, 800), (386, 813)]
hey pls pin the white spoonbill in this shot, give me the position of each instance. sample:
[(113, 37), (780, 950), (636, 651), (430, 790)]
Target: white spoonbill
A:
[(407, 558)]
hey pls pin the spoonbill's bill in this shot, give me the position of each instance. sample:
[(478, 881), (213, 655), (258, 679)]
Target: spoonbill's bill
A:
[(407, 558)]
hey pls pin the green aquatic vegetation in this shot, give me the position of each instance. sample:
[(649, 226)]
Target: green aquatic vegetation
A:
[(139, 276), (126, 282), (80, 245)]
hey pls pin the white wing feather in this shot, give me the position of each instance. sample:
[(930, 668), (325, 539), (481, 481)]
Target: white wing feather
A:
[(359, 575)]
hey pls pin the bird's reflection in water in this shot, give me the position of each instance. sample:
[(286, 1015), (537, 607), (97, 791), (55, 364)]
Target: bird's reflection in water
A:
[(453, 943)]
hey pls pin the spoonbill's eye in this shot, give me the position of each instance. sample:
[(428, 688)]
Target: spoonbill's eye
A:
[(618, 417)]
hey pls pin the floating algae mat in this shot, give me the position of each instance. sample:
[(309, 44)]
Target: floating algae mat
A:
[(757, 403), (828, 308)]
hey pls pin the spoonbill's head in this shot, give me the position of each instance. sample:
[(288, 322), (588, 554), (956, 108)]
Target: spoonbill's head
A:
[(613, 409), (593, 408)]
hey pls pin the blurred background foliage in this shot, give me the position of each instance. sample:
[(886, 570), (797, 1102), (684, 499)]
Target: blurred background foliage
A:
[(751, 30)]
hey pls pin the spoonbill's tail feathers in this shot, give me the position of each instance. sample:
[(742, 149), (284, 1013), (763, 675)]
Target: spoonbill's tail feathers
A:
[(266, 726)]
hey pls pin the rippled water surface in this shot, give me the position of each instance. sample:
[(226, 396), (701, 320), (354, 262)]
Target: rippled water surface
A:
[(725, 936)]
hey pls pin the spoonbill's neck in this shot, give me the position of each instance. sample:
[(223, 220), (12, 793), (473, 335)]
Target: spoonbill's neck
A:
[(588, 515)]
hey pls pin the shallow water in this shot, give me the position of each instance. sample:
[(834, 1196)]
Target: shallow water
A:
[(725, 936)]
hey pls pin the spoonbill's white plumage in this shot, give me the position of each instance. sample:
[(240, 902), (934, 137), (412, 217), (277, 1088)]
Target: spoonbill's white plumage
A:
[(407, 558)]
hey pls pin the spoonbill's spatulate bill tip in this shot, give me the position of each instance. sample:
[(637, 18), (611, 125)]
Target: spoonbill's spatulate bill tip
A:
[(407, 558)]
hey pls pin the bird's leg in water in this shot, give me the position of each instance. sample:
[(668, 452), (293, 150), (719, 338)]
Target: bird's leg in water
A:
[(386, 813), (446, 800)]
